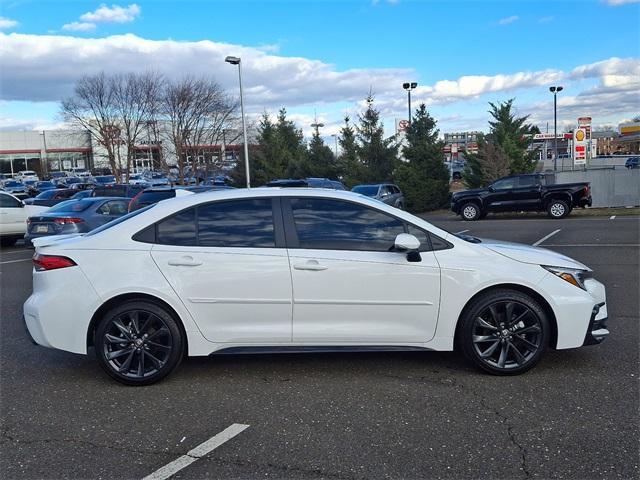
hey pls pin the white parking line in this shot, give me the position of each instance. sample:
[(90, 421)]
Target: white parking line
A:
[(461, 231), (612, 217), (16, 251), (14, 261), (198, 452), (546, 237)]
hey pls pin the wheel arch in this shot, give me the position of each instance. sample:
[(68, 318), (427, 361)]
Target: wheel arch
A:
[(564, 196), (553, 337), (118, 299)]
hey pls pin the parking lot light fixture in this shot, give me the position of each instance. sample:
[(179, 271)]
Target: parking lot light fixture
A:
[(408, 86), (555, 90), (237, 61)]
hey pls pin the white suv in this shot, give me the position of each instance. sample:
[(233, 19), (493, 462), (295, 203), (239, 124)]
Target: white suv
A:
[(26, 175)]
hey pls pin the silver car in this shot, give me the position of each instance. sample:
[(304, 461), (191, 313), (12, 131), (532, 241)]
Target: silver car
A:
[(385, 192)]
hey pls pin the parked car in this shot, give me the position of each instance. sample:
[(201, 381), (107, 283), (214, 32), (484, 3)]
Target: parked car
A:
[(42, 186), (82, 186), (150, 196), (24, 175), (81, 194), (516, 193), (69, 181), (75, 216), (385, 192), (266, 270), (13, 218), (102, 180), (455, 169), (51, 197), (79, 172), (307, 183), (14, 187), (632, 162), (30, 187), (56, 177), (117, 190), (138, 179)]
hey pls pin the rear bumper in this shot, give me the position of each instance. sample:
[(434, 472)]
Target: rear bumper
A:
[(585, 202)]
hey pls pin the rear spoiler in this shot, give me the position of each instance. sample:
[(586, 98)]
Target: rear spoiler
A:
[(53, 239)]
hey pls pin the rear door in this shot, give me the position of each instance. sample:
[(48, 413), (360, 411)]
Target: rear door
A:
[(227, 262)]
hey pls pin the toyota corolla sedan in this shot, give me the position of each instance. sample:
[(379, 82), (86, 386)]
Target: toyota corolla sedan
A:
[(285, 270)]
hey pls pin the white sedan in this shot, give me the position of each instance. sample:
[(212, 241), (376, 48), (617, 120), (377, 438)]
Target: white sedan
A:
[(284, 270)]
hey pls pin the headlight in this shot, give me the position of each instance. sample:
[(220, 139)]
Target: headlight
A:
[(574, 276)]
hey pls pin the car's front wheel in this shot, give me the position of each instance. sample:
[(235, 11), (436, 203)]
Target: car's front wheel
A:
[(504, 332), (138, 343)]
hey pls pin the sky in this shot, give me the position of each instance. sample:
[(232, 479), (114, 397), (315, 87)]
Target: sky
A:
[(320, 59)]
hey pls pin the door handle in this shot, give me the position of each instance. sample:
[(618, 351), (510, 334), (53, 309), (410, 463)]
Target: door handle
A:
[(310, 265), (184, 262)]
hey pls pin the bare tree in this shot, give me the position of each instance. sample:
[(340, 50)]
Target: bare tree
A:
[(135, 100), (92, 107), (197, 111)]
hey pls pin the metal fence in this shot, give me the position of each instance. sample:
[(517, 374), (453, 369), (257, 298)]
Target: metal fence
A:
[(617, 187)]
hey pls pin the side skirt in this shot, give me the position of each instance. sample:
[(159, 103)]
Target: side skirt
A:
[(317, 349)]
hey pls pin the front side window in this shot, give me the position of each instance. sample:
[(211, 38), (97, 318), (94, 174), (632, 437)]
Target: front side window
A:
[(238, 223), (328, 224), (7, 201)]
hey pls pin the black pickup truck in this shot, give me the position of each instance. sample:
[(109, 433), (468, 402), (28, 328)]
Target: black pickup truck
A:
[(517, 193)]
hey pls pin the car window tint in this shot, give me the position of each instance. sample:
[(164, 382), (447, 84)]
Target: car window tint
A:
[(504, 184), (7, 201), (114, 207), (178, 229), (338, 225), (238, 223), (527, 181)]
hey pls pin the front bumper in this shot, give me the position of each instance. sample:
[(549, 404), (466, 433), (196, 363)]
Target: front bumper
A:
[(597, 330)]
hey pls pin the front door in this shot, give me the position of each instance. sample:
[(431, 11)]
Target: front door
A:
[(222, 261), (13, 218), (348, 286)]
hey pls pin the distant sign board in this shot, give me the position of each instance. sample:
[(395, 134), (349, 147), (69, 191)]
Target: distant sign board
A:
[(580, 146), (403, 125)]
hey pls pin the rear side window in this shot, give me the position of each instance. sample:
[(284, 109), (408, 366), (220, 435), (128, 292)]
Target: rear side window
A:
[(179, 229), (241, 223), (328, 224)]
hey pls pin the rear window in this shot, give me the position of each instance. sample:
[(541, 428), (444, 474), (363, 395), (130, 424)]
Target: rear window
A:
[(115, 191), (71, 206), (153, 197), (368, 190), (46, 195), (117, 221)]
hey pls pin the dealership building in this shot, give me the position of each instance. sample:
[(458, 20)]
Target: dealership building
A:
[(58, 150)]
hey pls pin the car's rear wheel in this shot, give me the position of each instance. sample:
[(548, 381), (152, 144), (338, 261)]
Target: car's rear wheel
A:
[(470, 211), (138, 343), (558, 209), (504, 332)]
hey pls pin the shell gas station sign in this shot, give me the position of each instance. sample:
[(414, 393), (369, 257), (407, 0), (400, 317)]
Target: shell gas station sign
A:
[(580, 146)]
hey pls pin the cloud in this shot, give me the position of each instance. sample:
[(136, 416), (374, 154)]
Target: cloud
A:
[(113, 14), (508, 20), (6, 23), (617, 3), (40, 68), (79, 26)]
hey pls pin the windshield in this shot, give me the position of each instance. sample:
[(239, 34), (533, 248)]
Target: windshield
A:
[(12, 183), (71, 206), (119, 220), (368, 190)]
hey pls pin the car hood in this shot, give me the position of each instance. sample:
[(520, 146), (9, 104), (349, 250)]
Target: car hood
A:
[(533, 255)]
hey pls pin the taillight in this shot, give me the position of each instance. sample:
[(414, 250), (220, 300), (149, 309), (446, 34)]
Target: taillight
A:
[(67, 220), (133, 201), (28, 221), (51, 262)]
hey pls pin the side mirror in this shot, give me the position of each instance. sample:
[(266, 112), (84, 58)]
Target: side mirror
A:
[(491, 189), (406, 242)]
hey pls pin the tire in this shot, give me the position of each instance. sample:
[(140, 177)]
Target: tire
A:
[(8, 241), (152, 344), (470, 212), (500, 346), (558, 209)]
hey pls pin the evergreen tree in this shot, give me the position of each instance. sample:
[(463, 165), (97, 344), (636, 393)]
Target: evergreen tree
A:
[(424, 177), (294, 154), (377, 154), (321, 160), (508, 136), (349, 166)]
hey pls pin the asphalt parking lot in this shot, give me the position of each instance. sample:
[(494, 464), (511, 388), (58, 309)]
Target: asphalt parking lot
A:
[(373, 415)]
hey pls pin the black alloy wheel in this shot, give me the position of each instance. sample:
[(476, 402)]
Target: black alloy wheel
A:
[(505, 332), (138, 343)]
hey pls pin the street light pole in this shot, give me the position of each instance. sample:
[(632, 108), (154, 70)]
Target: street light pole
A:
[(408, 86), (237, 61), (555, 90), (335, 137)]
